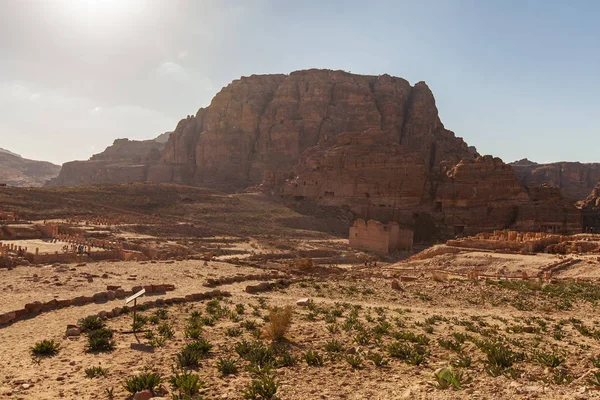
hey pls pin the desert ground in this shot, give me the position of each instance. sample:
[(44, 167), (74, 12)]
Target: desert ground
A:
[(282, 302)]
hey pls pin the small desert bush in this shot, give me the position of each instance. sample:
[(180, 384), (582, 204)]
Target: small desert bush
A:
[(355, 361), (257, 353), (45, 348), (100, 340), (595, 361), (226, 366), (450, 378), (280, 320), (186, 384), (551, 360), (414, 354), (334, 346), (286, 359), (450, 344), (233, 332), (377, 359), (262, 387), (313, 358), (166, 331), (192, 353), (500, 358), (594, 379), (96, 372), (145, 381), (91, 323), (193, 332)]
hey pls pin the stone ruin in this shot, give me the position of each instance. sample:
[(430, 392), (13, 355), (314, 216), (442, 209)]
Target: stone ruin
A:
[(529, 242), (380, 238)]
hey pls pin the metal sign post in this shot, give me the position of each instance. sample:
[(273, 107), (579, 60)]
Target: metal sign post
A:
[(134, 299)]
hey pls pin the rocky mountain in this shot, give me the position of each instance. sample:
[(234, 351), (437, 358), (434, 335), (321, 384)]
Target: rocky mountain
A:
[(371, 145), (18, 171), (590, 208), (574, 180), (124, 161)]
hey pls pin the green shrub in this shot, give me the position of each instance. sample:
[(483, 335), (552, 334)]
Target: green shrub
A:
[(233, 332), (313, 358), (377, 359), (449, 377), (286, 359), (413, 354), (100, 341), (194, 333), (334, 346), (240, 309), (96, 372), (257, 353), (450, 344), (186, 383), (263, 387), (226, 366), (551, 360), (145, 381), (595, 361), (192, 353), (166, 331), (91, 323), (355, 361), (45, 348)]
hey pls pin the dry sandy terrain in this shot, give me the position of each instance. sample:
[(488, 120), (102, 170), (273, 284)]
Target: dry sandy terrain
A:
[(483, 311)]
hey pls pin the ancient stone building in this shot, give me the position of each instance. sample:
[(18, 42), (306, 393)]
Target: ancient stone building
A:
[(378, 237)]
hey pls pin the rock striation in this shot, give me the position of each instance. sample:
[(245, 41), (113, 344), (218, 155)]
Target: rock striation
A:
[(372, 145), (124, 161), (574, 180), (18, 171)]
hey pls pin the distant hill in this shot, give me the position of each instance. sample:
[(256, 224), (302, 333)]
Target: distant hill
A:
[(18, 171)]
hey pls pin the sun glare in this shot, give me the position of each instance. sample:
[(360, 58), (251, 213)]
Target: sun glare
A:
[(104, 11)]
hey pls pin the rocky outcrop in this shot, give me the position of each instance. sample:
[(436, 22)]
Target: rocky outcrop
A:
[(574, 180), (372, 145), (590, 208), (124, 161), (18, 171)]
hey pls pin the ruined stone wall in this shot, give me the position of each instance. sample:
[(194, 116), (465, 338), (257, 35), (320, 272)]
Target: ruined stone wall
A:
[(378, 237)]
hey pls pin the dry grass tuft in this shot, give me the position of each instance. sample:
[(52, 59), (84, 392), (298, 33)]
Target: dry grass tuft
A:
[(280, 320)]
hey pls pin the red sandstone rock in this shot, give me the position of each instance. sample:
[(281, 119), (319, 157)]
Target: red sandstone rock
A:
[(144, 395), (574, 180), (34, 307)]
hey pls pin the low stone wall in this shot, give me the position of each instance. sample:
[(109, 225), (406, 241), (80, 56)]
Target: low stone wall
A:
[(33, 309), (242, 278), (117, 311)]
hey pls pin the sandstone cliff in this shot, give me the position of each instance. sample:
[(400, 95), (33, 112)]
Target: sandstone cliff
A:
[(575, 180), (124, 161), (18, 171), (372, 145)]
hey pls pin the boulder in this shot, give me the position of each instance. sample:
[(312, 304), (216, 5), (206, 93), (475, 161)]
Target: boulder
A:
[(7, 317), (35, 307), (303, 302), (396, 285), (261, 287), (100, 297), (73, 331), (144, 395)]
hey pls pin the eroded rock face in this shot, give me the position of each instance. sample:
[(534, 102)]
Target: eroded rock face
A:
[(590, 208), (575, 180), (124, 161), (372, 145), (18, 171)]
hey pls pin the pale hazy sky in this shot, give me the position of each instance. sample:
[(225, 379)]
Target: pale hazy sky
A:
[(514, 78)]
